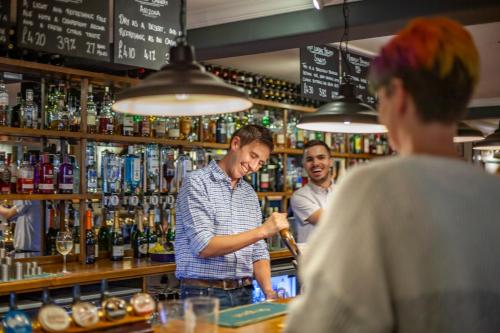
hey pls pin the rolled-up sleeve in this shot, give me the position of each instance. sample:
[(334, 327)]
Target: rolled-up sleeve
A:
[(303, 207), (193, 206)]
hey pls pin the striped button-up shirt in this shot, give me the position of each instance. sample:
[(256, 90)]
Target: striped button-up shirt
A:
[(208, 206)]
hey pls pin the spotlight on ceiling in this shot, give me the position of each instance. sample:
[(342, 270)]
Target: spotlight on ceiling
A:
[(318, 4)]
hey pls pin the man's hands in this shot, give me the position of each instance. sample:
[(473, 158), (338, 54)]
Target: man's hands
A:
[(275, 223)]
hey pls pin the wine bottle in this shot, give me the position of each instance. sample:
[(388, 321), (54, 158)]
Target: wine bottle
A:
[(151, 235), (139, 242), (91, 246), (85, 314), (52, 317), (15, 321), (113, 308), (50, 238), (117, 243)]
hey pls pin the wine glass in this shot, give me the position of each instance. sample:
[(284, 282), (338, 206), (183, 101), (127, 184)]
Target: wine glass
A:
[(64, 245)]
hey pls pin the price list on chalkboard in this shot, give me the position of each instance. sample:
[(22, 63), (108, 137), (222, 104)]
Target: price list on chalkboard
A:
[(144, 31), (319, 73), (4, 20), (77, 28)]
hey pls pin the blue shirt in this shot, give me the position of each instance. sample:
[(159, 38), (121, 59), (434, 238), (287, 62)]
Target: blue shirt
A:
[(208, 206)]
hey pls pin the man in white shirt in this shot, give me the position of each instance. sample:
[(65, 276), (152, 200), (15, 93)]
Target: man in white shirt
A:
[(308, 202), (414, 246)]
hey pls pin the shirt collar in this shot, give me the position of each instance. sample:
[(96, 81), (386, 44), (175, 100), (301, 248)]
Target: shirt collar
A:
[(319, 189), (219, 174)]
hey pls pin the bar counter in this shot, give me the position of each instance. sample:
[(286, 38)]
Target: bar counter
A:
[(102, 269)]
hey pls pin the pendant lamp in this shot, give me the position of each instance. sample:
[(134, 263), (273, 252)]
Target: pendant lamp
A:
[(181, 88), (465, 133), (346, 113), (491, 142)]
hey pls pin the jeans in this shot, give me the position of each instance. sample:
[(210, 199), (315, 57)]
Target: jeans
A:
[(228, 298)]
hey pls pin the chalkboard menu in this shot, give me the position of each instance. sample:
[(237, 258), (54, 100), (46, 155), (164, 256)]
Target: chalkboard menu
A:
[(319, 73), (144, 31), (4, 20), (77, 28)]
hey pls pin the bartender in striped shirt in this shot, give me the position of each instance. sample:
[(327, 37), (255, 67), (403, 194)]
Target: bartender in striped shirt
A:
[(220, 238)]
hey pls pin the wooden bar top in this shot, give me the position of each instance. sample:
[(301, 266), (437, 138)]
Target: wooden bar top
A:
[(102, 269)]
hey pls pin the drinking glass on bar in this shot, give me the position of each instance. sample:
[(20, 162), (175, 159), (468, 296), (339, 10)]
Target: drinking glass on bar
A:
[(64, 245)]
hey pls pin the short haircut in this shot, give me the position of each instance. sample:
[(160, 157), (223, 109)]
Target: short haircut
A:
[(438, 63), (251, 133), (313, 143)]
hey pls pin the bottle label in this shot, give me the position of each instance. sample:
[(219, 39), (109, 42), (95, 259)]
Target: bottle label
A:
[(65, 186), (25, 186), (91, 121), (136, 173), (26, 174), (46, 186), (174, 133), (128, 122), (280, 139), (109, 127), (117, 251), (96, 250), (143, 249), (76, 248), (264, 177)]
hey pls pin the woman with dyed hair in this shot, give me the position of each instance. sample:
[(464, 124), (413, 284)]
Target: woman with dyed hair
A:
[(414, 246)]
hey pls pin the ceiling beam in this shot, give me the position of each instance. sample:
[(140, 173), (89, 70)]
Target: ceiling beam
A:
[(368, 18)]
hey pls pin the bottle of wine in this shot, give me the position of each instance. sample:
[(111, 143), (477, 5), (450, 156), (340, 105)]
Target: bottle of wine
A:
[(151, 236), (15, 321), (52, 317), (85, 314), (139, 241), (113, 308), (117, 243), (91, 112), (91, 246)]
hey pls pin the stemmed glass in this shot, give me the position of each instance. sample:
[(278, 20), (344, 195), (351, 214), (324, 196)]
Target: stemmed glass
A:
[(64, 245)]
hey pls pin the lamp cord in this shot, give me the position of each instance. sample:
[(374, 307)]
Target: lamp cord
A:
[(344, 41), (182, 39)]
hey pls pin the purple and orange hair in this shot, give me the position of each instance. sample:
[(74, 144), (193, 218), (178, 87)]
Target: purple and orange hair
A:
[(431, 53)]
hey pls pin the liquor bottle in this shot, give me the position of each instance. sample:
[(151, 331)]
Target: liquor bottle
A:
[(85, 314), (128, 125), (266, 120), (65, 176), (91, 112), (212, 129), (106, 124), (171, 230), (113, 308), (111, 172), (52, 317), (151, 235), (76, 174), (4, 175), (264, 179), (25, 179), (50, 237), (143, 304), (152, 168), (63, 114), (15, 321), (29, 113), (15, 117), (300, 138), (91, 245), (173, 129), (220, 132), (185, 127), (4, 105), (14, 171), (74, 113), (46, 175), (230, 127), (168, 171), (118, 120), (145, 127), (116, 240), (183, 166), (104, 232), (132, 172), (91, 169), (75, 231), (161, 127), (137, 125), (139, 240)]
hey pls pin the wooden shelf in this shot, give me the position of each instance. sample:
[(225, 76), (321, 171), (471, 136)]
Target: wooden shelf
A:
[(270, 194), (139, 140), (17, 196), (37, 68), (39, 133), (294, 151), (282, 105), (102, 269)]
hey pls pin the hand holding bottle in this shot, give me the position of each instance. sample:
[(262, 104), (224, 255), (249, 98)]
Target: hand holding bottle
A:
[(274, 223)]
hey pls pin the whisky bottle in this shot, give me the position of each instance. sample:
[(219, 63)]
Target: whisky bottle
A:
[(106, 123), (4, 105), (91, 112), (15, 321), (113, 308), (128, 125), (85, 314), (52, 317)]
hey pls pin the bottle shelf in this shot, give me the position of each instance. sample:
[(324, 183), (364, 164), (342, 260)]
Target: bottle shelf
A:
[(18, 196), (37, 68), (295, 151), (39, 133)]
